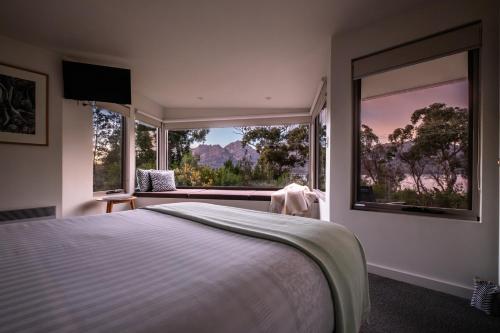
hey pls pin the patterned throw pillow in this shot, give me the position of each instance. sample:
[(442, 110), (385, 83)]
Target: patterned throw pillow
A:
[(162, 180), (484, 294), (144, 180)]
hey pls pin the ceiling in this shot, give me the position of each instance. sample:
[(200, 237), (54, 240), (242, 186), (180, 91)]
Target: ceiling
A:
[(205, 53)]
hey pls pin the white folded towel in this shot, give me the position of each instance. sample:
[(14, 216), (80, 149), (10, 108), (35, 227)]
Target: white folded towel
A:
[(293, 199)]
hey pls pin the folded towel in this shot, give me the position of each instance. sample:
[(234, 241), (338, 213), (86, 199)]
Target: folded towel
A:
[(293, 199)]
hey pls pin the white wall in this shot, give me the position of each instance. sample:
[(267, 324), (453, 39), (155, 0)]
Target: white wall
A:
[(77, 158), (30, 175), (438, 253)]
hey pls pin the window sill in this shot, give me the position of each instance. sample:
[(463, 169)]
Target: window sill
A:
[(450, 214), (100, 194), (219, 194)]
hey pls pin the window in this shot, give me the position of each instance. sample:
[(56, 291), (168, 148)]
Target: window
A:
[(146, 146), (416, 137), (252, 156), (107, 149), (320, 145)]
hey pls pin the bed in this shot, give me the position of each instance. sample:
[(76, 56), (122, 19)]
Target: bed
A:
[(188, 267)]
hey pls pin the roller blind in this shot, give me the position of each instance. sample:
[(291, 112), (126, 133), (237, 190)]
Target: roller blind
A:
[(218, 123), (429, 73), (148, 120), (124, 110), (453, 41), (320, 99)]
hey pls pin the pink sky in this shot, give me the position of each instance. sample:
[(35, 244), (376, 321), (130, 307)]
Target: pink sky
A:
[(384, 114)]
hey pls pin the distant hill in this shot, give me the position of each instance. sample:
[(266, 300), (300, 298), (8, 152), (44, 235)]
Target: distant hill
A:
[(215, 156)]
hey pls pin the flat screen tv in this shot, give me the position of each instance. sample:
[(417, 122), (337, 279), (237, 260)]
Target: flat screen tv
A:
[(87, 82)]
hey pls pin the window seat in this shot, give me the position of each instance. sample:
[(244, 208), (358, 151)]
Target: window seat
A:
[(200, 193)]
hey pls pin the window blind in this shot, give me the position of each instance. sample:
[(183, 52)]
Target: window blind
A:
[(282, 119), (146, 119), (124, 110), (320, 99), (452, 41)]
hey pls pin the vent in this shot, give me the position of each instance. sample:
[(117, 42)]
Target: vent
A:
[(29, 213)]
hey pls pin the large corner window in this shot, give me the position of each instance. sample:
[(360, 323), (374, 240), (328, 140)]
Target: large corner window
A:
[(146, 146), (416, 134), (251, 156), (320, 146), (107, 149)]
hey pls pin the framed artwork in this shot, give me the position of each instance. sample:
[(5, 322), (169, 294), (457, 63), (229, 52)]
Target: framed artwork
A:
[(23, 106)]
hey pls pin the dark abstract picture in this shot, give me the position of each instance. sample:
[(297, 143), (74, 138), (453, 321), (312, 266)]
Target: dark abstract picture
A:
[(17, 105)]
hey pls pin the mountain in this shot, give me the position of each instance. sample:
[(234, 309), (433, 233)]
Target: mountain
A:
[(215, 156), (239, 152)]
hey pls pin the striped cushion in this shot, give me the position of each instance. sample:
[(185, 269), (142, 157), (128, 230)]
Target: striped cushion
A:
[(484, 294), (162, 180)]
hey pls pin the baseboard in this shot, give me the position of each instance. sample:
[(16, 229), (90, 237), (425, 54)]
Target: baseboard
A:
[(421, 280), (9, 216)]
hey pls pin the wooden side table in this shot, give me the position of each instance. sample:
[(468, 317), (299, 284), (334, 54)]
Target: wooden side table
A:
[(112, 200)]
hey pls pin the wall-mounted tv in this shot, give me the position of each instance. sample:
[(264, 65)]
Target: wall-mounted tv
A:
[(87, 82)]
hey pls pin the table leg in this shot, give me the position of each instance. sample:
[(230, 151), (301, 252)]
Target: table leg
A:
[(132, 203), (109, 207)]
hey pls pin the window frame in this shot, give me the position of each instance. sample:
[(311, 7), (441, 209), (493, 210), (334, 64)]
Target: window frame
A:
[(316, 149), (123, 158), (237, 187), (471, 214), (158, 147)]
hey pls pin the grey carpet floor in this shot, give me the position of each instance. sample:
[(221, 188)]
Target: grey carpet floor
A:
[(404, 308)]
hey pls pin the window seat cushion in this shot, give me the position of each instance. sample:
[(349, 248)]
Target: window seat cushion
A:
[(200, 193)]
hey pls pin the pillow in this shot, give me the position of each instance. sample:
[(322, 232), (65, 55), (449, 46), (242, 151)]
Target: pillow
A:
[(144, 180), (162, 180), (484, 294)]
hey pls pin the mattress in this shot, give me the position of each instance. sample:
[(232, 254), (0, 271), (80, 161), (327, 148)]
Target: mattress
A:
[(142, 271)]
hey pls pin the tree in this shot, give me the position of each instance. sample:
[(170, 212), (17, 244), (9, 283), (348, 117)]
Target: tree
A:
[(145, 146), (107, 149), (280, 148), (228, 175), (187, 172), (245, 168), (404, 149), (322, 140), (433, 144), (379, 163), (179, 144), (442, 134)]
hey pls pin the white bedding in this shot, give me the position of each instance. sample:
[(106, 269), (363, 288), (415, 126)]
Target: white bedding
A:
[(142, 271)]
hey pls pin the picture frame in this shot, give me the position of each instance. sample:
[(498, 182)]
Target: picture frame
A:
[(23, 106)]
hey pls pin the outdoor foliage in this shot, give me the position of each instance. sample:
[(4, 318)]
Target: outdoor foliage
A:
[(322, 146), (145, 146), (107, 152), (179, 144), (281, 149), (431, 152)]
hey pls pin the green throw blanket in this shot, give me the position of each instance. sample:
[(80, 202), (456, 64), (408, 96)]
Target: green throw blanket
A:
[(334, 248)]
